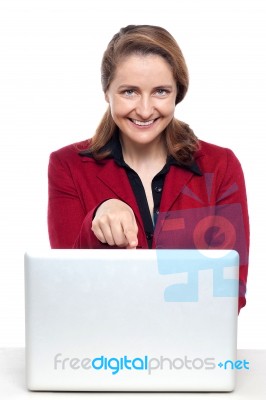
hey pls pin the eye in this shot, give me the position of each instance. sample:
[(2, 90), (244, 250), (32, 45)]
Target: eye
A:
[(128, 92), (162, 92)]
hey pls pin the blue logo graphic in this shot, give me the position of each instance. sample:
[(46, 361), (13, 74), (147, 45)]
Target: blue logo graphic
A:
[(188, 292), (238, 364), (210, 224)]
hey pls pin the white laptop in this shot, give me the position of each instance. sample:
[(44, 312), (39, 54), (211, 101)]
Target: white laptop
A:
[(131, 320)]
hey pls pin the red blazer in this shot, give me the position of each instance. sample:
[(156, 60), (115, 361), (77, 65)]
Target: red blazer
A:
[(196, 211)]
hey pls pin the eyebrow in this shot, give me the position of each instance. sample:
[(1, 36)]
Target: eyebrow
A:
[(136, 87)]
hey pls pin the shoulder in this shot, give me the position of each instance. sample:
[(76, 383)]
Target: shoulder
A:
[(208, 149), (70, 154), (213, 154), (75, 159), (212, 158), (72, 149)]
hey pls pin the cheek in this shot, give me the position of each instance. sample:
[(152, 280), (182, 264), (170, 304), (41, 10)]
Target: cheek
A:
[(166, 106), (168, 109), (171, 106), (120, 107)]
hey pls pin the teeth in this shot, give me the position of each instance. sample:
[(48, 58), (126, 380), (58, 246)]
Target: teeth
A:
[(142, 123)]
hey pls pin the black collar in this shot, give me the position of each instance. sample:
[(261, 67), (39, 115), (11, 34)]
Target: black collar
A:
[(115, 149)]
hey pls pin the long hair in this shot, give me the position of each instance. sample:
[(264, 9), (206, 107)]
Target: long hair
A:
[(181, 141)]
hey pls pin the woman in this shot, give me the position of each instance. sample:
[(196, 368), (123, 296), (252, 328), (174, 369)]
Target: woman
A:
[(144, 180)]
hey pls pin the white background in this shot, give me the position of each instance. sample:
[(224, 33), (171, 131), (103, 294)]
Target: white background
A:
[(50, 96)]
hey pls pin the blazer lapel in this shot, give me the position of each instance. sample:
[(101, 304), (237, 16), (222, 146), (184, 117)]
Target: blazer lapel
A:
[(175, 181)]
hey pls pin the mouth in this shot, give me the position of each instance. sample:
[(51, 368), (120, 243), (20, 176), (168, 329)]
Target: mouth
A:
[(143, 123)]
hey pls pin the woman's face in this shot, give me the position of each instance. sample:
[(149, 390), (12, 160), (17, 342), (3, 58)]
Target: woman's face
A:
[(142, 98)]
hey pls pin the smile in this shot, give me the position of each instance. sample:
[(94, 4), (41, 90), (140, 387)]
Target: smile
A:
[(143, 123)]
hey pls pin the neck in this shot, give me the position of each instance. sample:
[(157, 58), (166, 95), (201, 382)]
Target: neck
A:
[(139, 155)]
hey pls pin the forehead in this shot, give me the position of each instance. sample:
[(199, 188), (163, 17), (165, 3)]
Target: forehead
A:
[(150, 67)]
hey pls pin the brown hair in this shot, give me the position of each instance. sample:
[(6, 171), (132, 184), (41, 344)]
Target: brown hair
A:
[(144, 40)]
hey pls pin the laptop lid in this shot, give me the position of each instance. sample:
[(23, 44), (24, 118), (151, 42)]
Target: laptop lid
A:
[(131, 320)]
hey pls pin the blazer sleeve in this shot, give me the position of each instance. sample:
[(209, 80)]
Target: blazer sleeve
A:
[(69, 224), (231, 205)]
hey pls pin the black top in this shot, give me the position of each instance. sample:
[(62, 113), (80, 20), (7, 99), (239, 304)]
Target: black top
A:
[(149, 223)]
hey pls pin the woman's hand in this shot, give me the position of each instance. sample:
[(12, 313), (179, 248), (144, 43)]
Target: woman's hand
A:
[(115, 224)]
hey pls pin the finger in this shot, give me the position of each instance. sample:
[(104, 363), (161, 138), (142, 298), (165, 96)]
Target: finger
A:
[(103, 233), (119, 237), (131, 239), (108, 234), (131, 234), (98, 233), (131, 247)]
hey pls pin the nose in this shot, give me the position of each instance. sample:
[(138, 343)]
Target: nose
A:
[(145, 107)]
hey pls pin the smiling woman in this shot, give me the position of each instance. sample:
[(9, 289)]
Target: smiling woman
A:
[(144, 180), (145, 106), (139, 56)]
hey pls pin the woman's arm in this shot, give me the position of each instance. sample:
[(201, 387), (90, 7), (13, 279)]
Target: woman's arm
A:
[(232, 206), (69, 224), (96, 224)]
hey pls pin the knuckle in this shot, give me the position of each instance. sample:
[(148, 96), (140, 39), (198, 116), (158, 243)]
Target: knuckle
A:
[(93, 224), (112, 217), (102, 221), (121, 243), (94, 228)]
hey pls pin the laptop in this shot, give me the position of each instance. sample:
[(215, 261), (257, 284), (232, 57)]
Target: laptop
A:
[(131, 320)]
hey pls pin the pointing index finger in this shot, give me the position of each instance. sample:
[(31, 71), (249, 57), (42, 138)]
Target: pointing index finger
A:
[(132, 238)]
